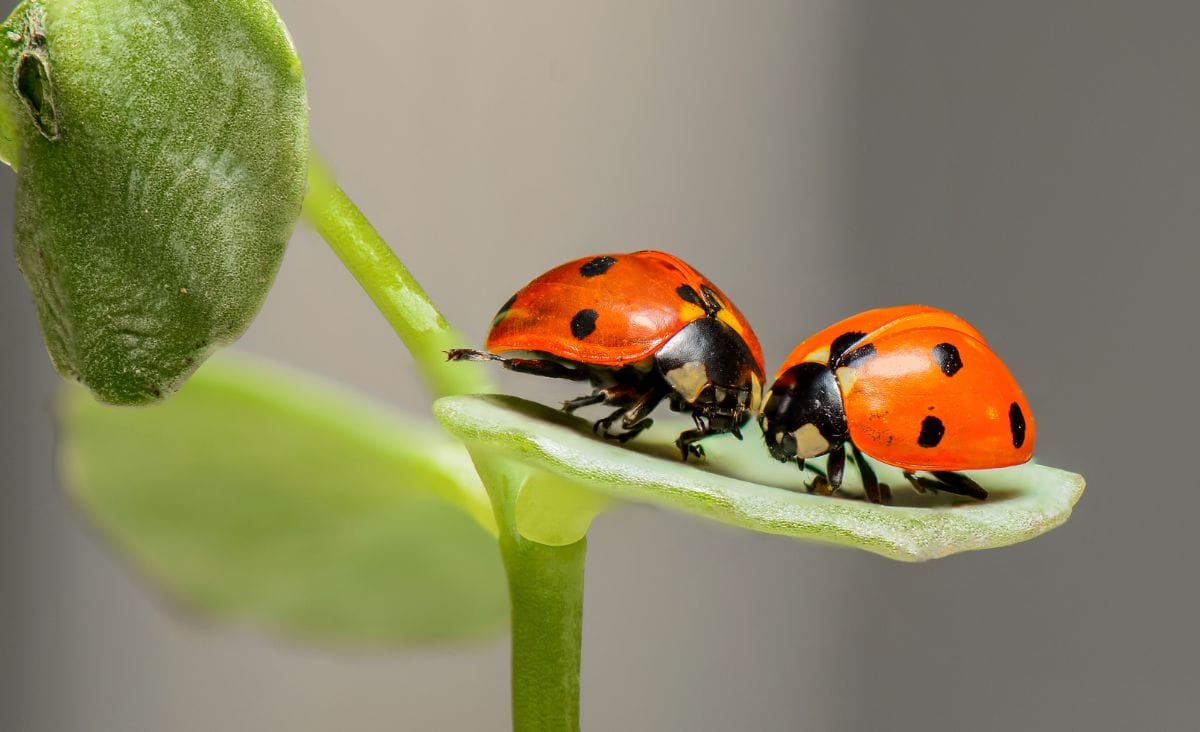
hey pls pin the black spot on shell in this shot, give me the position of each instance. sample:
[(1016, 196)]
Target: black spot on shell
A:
[(1016, 423), (714, 303), (584, 323), (842, 342), (932, 431), (597, 266), (947, 358), (864, 351), (503, 311), (687, 293)]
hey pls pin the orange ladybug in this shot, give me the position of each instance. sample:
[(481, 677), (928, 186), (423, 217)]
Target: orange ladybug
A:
[(911, 386), (641, 327)]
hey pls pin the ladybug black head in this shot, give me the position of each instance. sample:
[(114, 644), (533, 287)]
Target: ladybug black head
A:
[(712, 372), (802, 416)]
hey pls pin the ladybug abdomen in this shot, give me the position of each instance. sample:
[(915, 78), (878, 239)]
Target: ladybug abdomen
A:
[(935, 399)]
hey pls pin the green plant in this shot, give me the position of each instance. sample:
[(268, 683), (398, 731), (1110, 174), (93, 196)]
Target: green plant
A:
[(163, 155)]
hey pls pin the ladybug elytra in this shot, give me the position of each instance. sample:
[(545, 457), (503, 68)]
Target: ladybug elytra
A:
[(911, 386), (641, 328)]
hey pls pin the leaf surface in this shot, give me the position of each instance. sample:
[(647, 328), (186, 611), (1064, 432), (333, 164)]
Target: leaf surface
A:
[(161, 149), (740, 484), (260, 496)]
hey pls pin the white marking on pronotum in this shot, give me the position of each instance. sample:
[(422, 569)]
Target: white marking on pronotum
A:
[(689, 380), (846, 376), (809, 441)]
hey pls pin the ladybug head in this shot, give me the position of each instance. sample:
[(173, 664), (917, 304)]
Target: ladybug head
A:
[(711, 372), (802, 416)]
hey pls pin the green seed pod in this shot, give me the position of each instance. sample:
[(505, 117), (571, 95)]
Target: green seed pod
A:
[(161, 147)]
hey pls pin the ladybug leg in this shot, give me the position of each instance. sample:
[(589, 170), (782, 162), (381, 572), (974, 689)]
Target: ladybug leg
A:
[(819, 484), (920, 485), (586, 400), (634, 431), (535, 366), (686, 442), (875, 492), (544, 367), (470, 354), (601, 426), (960, 484), (836, 466), (633, 418), (824, 483), (949, 482)]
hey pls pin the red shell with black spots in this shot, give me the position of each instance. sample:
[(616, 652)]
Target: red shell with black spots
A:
[(922, 390), (611, 310)]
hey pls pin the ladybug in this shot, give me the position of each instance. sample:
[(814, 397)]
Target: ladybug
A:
[(641, 327), (910, 386)]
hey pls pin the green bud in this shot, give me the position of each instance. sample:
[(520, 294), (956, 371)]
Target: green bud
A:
[(162, 153)]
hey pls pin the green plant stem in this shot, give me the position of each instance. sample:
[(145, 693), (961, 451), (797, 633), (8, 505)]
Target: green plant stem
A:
[(387, 281), (545, 586), (545, 582)]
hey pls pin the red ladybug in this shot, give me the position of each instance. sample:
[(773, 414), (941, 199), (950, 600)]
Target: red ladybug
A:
[(641, 328), (911, 386)]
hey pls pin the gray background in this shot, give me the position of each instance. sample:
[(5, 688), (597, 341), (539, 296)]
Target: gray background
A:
[(1034, 166)]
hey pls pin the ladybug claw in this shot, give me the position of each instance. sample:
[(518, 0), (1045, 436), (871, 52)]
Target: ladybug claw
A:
[(601, 426), (634, 430), (689, 449), (820, 486)]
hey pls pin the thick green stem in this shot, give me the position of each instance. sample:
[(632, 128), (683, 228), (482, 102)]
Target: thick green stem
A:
[(546, 591), (546, 586), (545, 582), (387, 281)]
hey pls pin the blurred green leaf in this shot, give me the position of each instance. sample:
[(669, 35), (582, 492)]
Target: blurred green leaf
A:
[(740, 484), (265, 497), (162, 154)]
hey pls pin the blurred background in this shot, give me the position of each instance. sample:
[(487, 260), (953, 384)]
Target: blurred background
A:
[(1033, 166)]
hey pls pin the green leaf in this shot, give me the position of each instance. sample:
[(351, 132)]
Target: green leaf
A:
[(263, 497), (740, 484), (162, 154), (556, 513)]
